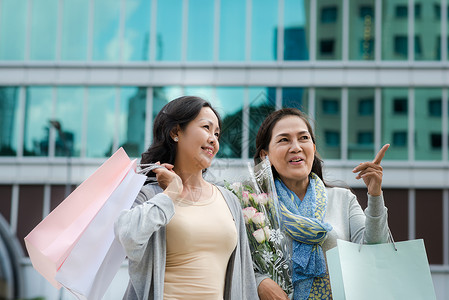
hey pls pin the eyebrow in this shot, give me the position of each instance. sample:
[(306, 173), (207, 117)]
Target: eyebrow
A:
[(210, 122), (287, 134)]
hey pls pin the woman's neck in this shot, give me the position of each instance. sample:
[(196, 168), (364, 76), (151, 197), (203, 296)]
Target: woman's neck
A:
[(299, 187)]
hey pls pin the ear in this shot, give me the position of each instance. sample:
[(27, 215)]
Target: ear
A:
[(175, 131), (263, 154)]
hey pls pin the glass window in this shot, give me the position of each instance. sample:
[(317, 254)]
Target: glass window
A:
[(400, 105), (74, 30), (232, 30), (229, 104), (427, 31), (163, 95), (38, 109), (361, 30), (101, 121), (295, 97), (399, 139), (9, 114), (106, 40), (132, 120), (360, 125), (434, 107), (428, 129), (169, 30), (417, 10), (69, 112), (394, 30), (328, 122), (44, 22), (137, 30), (200, 39), (262, 101), (13, 29), (296, 28), (329, 29), (264, 30)]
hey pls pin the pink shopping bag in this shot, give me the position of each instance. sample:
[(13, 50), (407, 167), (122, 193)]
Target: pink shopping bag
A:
[(51, 241)]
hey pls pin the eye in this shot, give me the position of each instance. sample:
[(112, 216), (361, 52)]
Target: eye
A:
[(283, 140), (304, 137), (206, 126)]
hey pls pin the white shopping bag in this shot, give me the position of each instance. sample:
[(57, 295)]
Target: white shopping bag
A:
[(96, 258)]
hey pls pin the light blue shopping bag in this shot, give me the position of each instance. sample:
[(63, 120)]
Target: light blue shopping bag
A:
[(382, 271)]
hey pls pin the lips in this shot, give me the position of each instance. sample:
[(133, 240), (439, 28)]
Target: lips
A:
[(296, 159), (209, 150)]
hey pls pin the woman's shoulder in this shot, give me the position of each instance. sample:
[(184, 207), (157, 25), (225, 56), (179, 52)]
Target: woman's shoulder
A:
[(148, 191), (339, 193)]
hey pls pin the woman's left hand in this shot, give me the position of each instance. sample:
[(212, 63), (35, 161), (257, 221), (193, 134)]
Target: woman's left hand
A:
[(371, 173)]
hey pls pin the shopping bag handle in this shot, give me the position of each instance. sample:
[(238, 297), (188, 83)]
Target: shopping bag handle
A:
[(147, 168), (390, 236)]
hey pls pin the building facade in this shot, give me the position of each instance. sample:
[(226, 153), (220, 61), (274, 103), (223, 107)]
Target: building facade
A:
[(79, 79)]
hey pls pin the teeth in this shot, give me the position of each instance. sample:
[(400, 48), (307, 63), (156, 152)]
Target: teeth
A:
[(296, 160)]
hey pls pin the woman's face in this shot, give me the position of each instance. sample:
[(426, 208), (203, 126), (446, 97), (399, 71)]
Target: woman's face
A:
[(291, 149), (198, 142)]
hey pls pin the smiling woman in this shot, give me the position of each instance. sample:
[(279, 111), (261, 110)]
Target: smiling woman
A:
[(171, 234)]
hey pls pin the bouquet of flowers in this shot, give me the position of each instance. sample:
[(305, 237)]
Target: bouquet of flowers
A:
[(270, 252)]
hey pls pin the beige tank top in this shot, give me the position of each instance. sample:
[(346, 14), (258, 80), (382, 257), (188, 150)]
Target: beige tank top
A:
[(200, 239)]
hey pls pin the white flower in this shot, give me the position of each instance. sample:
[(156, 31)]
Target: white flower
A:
[(245, 197), (258, 218), (248, 213), (276, 236), (262, 198), (267, 231), (236, 186), (259, 235), (267, 256)]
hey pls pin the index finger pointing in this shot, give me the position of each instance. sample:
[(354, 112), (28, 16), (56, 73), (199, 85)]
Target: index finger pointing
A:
[(380, 155)]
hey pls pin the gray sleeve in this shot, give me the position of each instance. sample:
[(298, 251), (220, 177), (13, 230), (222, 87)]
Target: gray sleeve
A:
[(134, 227)]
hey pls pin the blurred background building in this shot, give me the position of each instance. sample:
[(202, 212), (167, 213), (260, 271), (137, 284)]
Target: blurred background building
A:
[(78, 79)]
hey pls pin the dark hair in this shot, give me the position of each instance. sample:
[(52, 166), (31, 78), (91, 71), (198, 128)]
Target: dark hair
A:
[(265, 132), (177, 113)]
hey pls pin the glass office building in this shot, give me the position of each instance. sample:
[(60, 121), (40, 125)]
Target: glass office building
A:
[(79, 79)]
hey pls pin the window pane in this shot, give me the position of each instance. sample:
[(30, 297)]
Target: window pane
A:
[(394, 30), (69, 112), (428, 128), (427, 35), (395, 122), (329, 30), (264, 30), (137, 30), (106, 42), (296, 28), (163, 95), (361, 30), (132, 120), (9, 113), (229, 104), (101, 122), (44, 22), (232, 30), (74, 30), (169, 30), (262, 101), (361, 124), (201, 30), (13, 23), (295, 97), (328, 122), (38, 109)]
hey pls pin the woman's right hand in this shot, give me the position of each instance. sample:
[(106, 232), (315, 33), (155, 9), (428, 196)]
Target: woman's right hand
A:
[(270, 290), (169, 181)]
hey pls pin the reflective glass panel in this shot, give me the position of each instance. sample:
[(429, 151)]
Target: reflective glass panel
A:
[(394, 30), (295, 97), (9, 114), (38, 109), (101, 121), (329, 28), (132, 120), (163, 95), (232, 30), (13, 24), (169, 30), (69, 112), (395, 122), (361, 123), (264, 30), (200, 38), (137, 30), (44, 24), (361, 30), (262, 102), (74, 30), (428, 124), (229, 104), (106, 40), (296, 29), (427, 32), (328, 122)]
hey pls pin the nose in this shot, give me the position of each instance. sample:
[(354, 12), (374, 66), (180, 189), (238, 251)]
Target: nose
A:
[(295, 146), (213, 139)]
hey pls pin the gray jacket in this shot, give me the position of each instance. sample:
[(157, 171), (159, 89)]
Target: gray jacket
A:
[(141, 231)]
